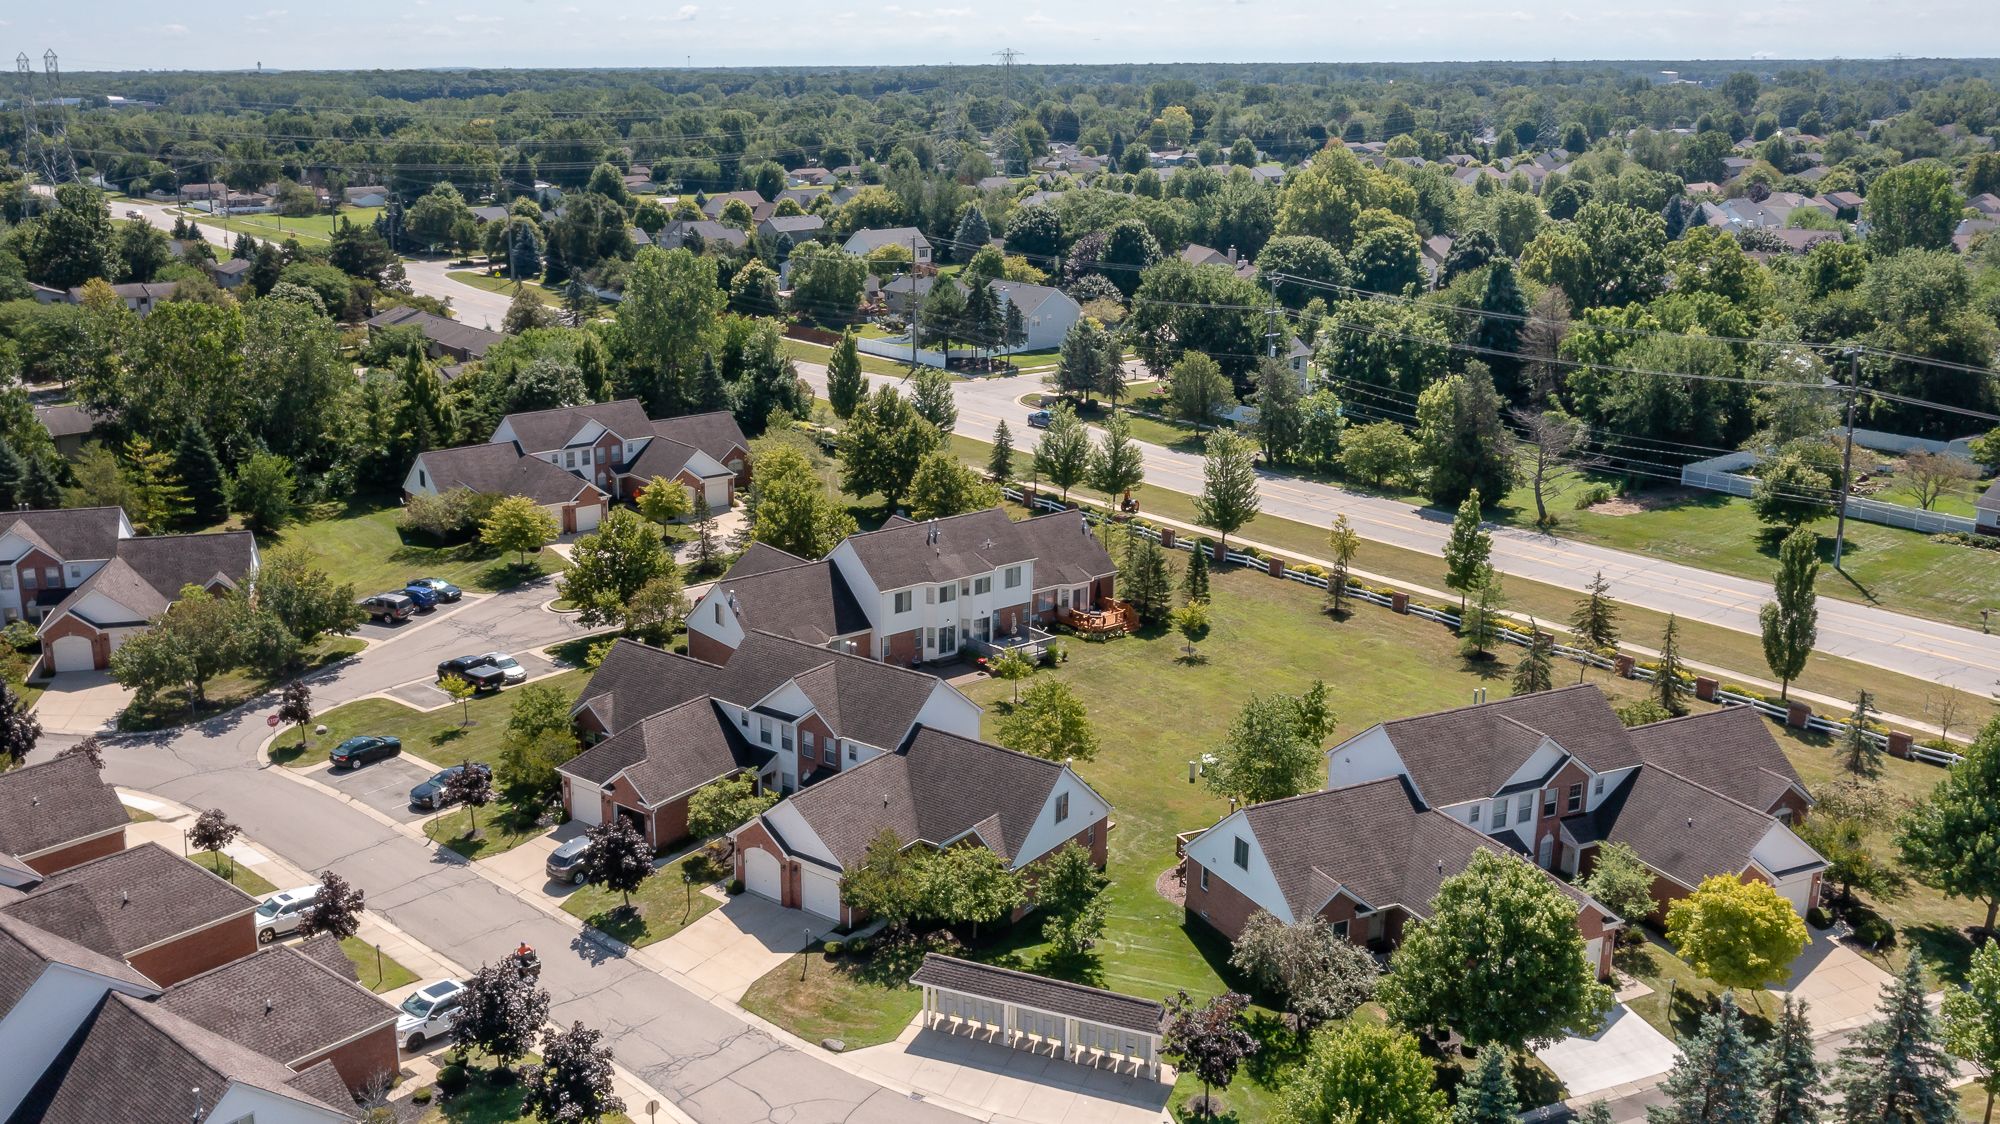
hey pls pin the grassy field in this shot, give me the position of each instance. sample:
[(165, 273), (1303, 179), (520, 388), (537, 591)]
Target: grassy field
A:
[(441, 737), (662, 906), (363, 545), (310, 230), (873, 364), (1711, 644), (494, 283)]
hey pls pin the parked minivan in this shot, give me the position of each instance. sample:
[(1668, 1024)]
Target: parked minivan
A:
[(390, 607)]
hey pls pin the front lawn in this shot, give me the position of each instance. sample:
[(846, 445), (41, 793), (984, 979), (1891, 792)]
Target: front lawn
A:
[(229, 690), (378, 973), (495, 283), (1681, 996), (491, 1099), (233, 872), (818, 354), (310, 230), (662, 906), (363, 545)]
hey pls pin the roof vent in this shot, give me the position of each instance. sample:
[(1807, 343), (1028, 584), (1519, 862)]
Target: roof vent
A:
[(124, 897), (1690, 821), (267, 1004), (34, 801), (1440, 866), (885, 800)]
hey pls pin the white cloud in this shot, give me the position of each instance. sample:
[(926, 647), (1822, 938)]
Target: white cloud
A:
[(1521, 17), (174, 29), (470, 18), (268, 14), (686, 12)]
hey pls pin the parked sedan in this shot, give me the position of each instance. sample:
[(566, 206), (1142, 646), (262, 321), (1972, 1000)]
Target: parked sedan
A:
[(430, 1012), (431, 793), (442, 589), (360, 750), (465, 667)]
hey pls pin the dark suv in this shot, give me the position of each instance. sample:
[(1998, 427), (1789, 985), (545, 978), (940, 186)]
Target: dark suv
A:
[(441, 589)]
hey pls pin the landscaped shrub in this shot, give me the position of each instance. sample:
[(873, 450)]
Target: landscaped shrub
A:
[(20, 636), (423, 1095), (858, 946), (1874, 930), (1817, 918), (736, 885), (1592, 496), (832, 948), (452, 1079), (1963, 538)]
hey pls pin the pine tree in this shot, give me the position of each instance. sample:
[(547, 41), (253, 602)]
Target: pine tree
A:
[(1467, 551), (1714, 1082), (154, 493), (1788, 1072), (1595, 621), (711, 392), (1791, 621), (1596, 1112), (1147, 581), (1194, 582), (200, 471), (13, 478), (1861, 754), (42, 490), (1536, 671), (1896, 1070), (1667, 679), (1488, 1096), (1000, 463)]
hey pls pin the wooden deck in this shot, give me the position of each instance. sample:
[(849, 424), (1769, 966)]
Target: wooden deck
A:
[(1116, 616)]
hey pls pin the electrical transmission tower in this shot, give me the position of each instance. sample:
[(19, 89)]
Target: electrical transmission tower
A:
[(57, 157), (31, 134), (1007, 56)]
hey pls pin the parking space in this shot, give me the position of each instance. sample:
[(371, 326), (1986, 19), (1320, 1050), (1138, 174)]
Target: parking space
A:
[(382, 785), (376, 631), (423, 695)]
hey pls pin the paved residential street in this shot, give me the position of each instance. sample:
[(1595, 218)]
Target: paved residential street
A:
[(1939, 653), (717, 1067)]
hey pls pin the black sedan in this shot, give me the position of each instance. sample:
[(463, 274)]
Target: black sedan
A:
[(431, 793), (360, 750), (441, 589)]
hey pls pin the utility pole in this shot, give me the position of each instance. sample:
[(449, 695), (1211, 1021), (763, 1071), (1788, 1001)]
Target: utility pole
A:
[(1271, 332), (1853, 357), (914, 304)]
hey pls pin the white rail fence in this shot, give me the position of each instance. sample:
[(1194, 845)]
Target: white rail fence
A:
[(1816, 723), (1721, 474)]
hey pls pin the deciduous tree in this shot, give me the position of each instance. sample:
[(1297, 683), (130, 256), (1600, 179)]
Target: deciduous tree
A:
[(1228, 497), (574, 1082), (884, 443), (1318, 975), (943, 487), (1208, 1041), (211, 832), (845, 386), (1468, 551), (792, 509), (1358, 1071), (1115, 466), (1791, 620), (518, 525), (1738, 933), (1950, 838), (1062, 453), (726, 805), (1069, 893), (1273, 748), (664, 501), (611, 564), (336, 908), (1972, 1019), (1049, 722), (1622, 883), (617, 857)]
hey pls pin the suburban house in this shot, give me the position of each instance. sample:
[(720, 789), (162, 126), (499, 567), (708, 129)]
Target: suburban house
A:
[(915, 592), (444, 338), (49, 986), (68, 424), (298, 1007), (1047, 312), (139, 296), (367, 195), (55, 815), (1367, 859), (148, 907), (574, 460), (798, 228), (90, 583), (759, 208), (230, 273), (1987, 508), (1196, 254), (910, 238), (661, 725), (675, 235), (903, 293), (934, 789), (1553, 776)]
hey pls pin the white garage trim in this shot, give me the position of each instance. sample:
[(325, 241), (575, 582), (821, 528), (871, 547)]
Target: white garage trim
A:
[(72, 653), (762, 874), (587, 516), (586, 804)]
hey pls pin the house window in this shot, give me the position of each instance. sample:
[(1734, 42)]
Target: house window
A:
[(1340, 929), (850, 754), (1090, 836), (28, 579), (1548, 802), (948, 639), (718, 612), (982, 586), (1062, 807), (903, 601), (1013, 579), (569, 459), (785, 738), (76, 574), (1499, 813), (1472, 815), (7, 578), (1576, 797), (1242, 855), (830, 754), (1524, 808), (947, 594), (1597, 787), (764, 730), (1204, 880), (602, 455)]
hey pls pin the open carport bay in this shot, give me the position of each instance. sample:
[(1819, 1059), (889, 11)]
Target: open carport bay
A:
[(382, 785)]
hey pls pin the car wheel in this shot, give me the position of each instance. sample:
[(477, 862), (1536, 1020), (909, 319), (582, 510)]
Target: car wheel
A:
[(266, 936), (576, 879), (415, 1043)]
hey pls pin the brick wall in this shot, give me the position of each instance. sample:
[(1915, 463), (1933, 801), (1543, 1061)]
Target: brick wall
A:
[(900, 648), (361, 1061), (704, 647), (82, 852), (822, 738), (1222, 906), (69, 625), (221, 943)]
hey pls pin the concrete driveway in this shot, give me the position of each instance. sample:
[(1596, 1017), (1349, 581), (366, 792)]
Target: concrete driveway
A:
[(731, 947), (991, 1081), (1625, 1051), (1841, 985), (80, 703)]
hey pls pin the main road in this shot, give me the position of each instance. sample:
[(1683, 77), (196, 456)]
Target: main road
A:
[(1928, 650), (1932, 651), (717, 1067)]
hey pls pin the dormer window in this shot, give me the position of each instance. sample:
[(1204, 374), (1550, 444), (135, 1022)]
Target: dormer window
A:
[(1062, 807), (1472, 815), (1499, 813)]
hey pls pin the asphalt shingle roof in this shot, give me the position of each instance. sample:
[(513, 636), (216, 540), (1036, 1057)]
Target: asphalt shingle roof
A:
[(1065, 551), (1093, 1004), (977, 542), (935, 788), (670, 753), (1468, 753), (541, 431), (279, 1002), (499, 469), (148, 572), (66, 420), (1679, 828), (25, 950), (809, 602), (439, 330), (761, 558), (49, 804), (1729, 750), (71, 533), (715, 433), (131, 900)]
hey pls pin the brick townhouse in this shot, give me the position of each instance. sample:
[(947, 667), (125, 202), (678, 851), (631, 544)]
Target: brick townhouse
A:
[(55, 815)]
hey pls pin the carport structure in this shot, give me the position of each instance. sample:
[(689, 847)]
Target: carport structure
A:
[(1082, 1024)]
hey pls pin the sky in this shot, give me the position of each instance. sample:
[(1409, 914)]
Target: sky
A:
[(293, 34)]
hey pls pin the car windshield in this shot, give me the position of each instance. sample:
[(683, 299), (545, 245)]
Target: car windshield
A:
[(418, 1004), (504, 663), (270, 908)]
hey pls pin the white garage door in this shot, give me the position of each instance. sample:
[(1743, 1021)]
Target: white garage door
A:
[(822, 896), (72, 653), (586, 517), (761, 874), (586, 804), (1797, 890), (1593, 952), (718, 493)]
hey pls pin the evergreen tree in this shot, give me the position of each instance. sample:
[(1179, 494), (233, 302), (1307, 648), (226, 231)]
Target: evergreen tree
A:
[(1596, 1112), (1147, 581), (13, 478), (1194, 582), (1467, 551), (1595, 622), (200, 471), (19, 729), (42, 490), (1462, 439), (1487, 1096), (1860, 754), (1667, 679), (1479, 624), (1895, 1071), (711, 391), (1000, 462), (972, 233), (1536, 671), (1714, 1082), (1949, 837), (1788, 1072), (1791, 621), (845, 386)]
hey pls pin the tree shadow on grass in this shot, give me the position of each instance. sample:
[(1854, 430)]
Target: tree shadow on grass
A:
[(1947, 951)]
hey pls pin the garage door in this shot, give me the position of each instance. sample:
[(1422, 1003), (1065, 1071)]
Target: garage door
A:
[(761, 874), (1593, 953), (822, 896), (586, 517), (586, 804), (72, 653), (718, 493), (1798, 891)]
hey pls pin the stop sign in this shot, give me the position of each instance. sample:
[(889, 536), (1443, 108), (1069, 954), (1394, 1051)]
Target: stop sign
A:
[(271, 720)]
